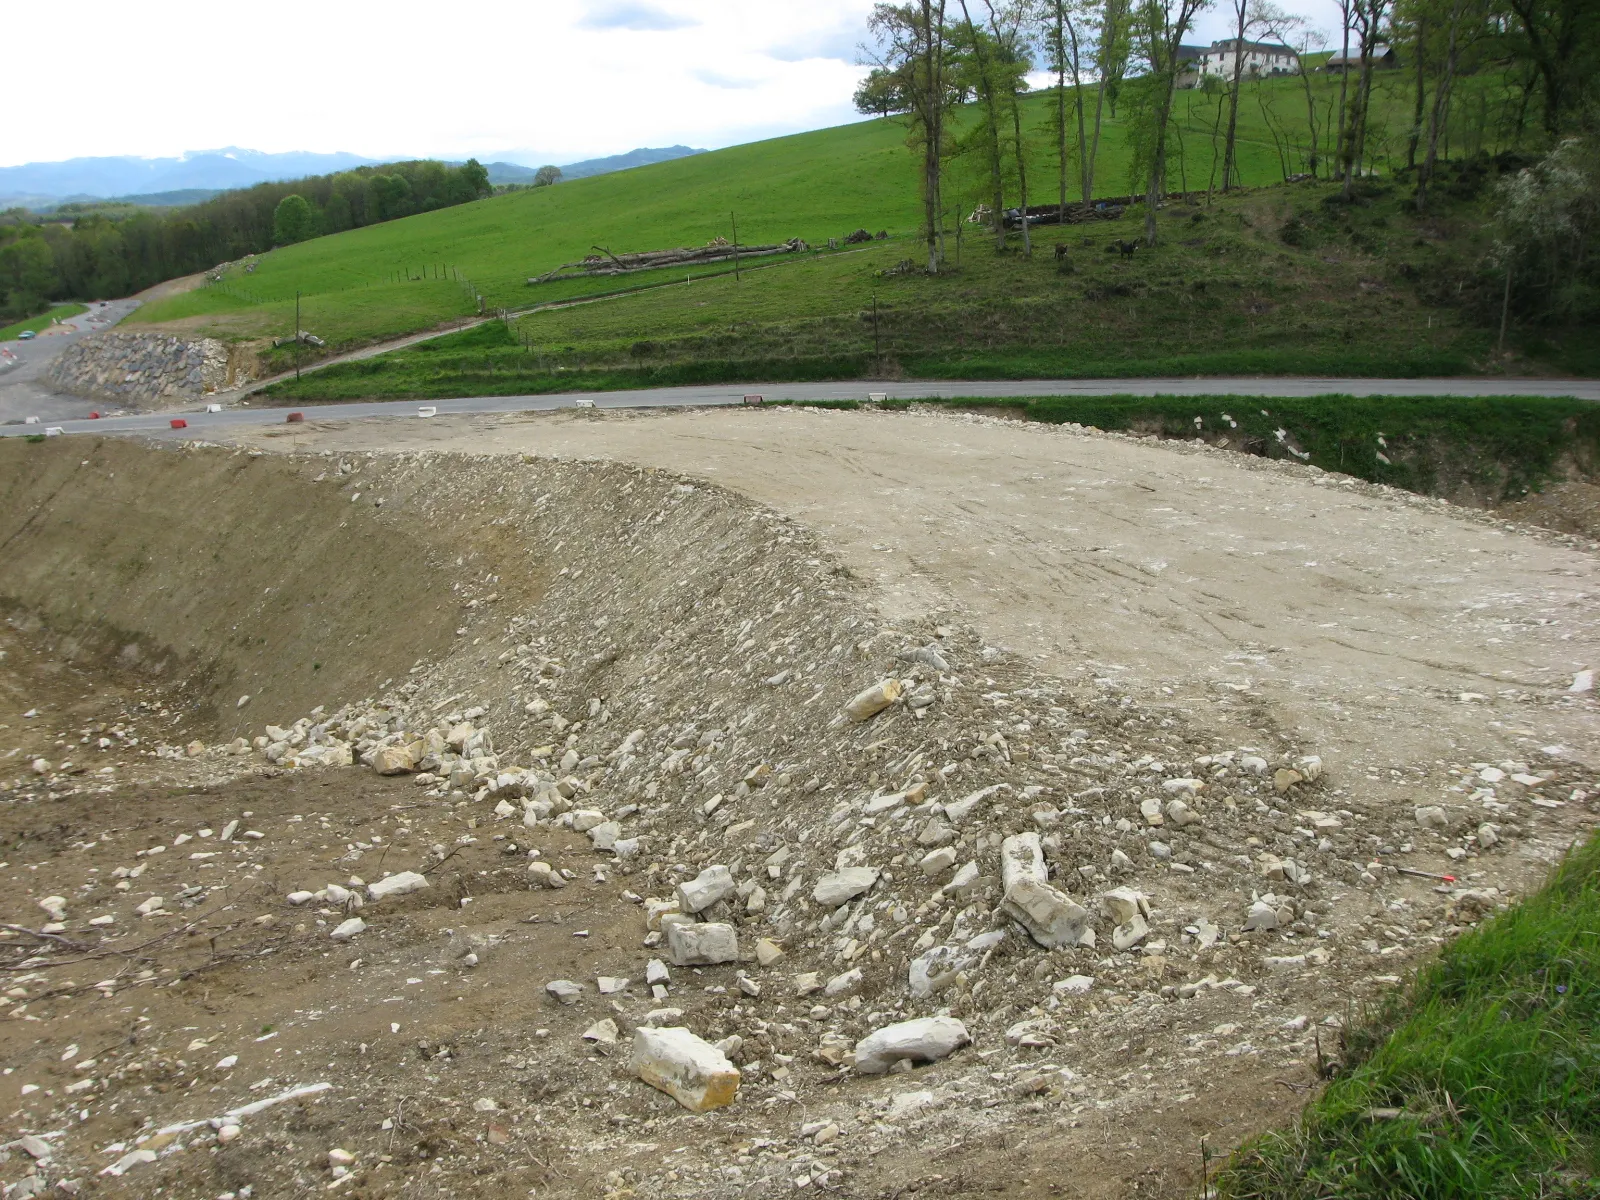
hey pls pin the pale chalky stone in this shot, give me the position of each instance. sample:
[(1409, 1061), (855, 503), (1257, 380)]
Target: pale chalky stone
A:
[(705, 889), (837, 887), (402, 884), (701, 945), (394, 760), (690, 1070), (873, 701), (1051, 918), (926, 1039)]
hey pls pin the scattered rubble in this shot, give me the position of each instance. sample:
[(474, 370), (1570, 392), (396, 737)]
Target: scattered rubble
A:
[(908, 855)]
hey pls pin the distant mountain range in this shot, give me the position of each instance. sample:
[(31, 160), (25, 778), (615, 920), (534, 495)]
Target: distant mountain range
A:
[(200, 174), (507, 172)]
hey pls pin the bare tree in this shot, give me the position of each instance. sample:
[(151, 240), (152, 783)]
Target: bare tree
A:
[(1066, 32), (1010, 41), (1110, 60), (1290, 30), (1252, 18), (1369, 15), (1460, 12), (1346, 9), (1161, 25), (982, 60)]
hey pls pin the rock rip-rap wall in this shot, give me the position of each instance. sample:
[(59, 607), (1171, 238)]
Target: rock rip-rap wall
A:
[(143, 370)]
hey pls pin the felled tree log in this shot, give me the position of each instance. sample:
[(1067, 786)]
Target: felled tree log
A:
[(607, 263)]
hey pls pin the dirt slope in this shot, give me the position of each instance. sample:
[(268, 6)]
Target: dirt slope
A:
[(1352, 617), (613, 643)]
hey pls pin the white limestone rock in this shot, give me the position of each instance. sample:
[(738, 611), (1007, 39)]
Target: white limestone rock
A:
[(402, 884), (1051, 918), (690, 945), (689, 1069), (705, 889), (926, 1039), (837, 887)]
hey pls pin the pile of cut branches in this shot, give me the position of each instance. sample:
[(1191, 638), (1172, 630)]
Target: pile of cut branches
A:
[(604, 262)]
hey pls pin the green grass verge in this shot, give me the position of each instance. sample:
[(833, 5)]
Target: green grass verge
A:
[(43, 321), (1487, 1084), (1485, 449)]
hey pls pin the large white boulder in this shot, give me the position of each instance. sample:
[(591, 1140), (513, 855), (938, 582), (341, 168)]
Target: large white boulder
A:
[(397, 885), (936, 969), (1051, 918), (394, 760), (705, 889), (689, 1069), (927, 1039), (837, 887), (873, 701), (703, 945)]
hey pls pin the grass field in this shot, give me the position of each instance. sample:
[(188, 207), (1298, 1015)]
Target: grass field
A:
[(1350, 292), (1482, 1081), (383, 280), (43, 321)]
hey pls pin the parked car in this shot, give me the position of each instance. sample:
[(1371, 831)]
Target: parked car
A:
[(25, 335)]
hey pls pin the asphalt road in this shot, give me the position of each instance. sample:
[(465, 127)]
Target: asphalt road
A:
[(24, 391), (202, 424)]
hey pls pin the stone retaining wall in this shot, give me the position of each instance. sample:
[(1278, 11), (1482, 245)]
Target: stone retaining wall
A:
[(145, 370)]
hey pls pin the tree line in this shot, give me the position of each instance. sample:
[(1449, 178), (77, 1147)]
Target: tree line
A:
[(930, 56), (113, 252)]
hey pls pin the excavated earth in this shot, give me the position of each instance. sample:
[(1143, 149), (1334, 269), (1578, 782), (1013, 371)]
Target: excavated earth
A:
[(1249, 694)]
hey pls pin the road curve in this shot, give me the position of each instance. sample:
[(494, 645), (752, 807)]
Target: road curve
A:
[(201, 424)]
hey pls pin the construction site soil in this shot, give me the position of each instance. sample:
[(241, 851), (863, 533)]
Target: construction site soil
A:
[(1244, 714)]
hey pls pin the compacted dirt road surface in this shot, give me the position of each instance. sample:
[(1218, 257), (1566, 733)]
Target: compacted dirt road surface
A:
[(1374, 626)]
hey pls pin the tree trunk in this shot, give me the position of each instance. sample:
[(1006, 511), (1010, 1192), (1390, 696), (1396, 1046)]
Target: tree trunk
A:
[(1022, 175), (987, 97), (1344, 86), (1355, 133), (1216, 130), (1422, 89), (1016, 131), (1108, 37), (1155, 191), (1061, 104), (1077, 92), (931, 102), (1229, 169), (1441, 104)]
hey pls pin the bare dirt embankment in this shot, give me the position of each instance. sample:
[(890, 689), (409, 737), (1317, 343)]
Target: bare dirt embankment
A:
[(634, 676)]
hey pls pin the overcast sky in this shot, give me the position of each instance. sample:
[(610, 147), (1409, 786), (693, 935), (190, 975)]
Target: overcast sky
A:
[(552, 80)]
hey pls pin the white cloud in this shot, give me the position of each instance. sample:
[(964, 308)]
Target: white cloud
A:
[(639, 17), (403, 77), (572, 78)]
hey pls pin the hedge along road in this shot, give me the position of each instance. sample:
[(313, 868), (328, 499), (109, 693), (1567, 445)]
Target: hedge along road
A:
[(200, 424)]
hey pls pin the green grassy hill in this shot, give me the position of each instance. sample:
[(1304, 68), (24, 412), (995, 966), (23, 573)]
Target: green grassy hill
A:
[(424, 271)]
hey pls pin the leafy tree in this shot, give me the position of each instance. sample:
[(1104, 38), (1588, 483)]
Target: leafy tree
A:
[(1548, 217), (1561, 38), (883, 92), (475, 178), (27, 274), (390, 197), (1159, 27), (546, 175), (912, 45), (293, 220)]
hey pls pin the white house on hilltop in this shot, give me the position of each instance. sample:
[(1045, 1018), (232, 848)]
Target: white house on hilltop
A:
[(1258, 58)]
